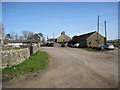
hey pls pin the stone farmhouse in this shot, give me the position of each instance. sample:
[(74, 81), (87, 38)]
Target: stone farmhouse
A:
[(63, 38), (60, 40), (92, 39)]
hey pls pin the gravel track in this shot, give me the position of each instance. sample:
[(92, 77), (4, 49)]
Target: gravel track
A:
[(73, 68)]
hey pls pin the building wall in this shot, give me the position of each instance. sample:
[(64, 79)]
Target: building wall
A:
[(83, 44), (90, 41), (76, 39), (15, 44), (93, 39), (63, 38)]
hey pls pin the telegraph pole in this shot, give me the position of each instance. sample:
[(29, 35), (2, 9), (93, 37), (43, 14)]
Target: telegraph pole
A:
[(98, 30), (105, 33), (53, 39), (98, 23)]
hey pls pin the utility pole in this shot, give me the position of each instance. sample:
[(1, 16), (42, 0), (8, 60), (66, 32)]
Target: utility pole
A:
[(47, 38), (98, 23), (53, 39), (98, 30), (105, 33)]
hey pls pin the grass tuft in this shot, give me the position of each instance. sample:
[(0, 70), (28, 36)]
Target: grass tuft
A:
[(35, 62)]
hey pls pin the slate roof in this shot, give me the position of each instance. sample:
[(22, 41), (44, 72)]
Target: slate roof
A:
[(83, 37)]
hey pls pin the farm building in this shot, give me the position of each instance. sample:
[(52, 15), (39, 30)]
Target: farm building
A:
[(63, 38), (92, 39), (51, 40)]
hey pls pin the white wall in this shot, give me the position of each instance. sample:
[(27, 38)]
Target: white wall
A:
[(16, 44)]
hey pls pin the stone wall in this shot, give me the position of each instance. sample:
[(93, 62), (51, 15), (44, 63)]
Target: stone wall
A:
[(7, 47), (14, 57), (35, 48), (57, 45)]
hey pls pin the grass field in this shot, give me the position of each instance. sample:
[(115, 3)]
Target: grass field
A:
[(92, 50), (35, 62)]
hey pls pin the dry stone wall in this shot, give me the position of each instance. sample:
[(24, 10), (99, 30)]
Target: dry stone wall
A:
[(7, 47), (16, 56), (35, 48)]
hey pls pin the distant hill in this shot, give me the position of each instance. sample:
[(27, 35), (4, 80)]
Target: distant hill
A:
[(115, 42)]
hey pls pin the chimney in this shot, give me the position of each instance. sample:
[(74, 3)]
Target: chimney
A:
[(63, 33)]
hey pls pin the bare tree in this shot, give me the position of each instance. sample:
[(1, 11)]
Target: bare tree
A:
[(14, 35), (20, 37), (30, 35), (26, 34)]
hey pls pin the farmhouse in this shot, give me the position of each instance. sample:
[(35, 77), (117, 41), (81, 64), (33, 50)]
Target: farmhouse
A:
[(92, 39), (63, 38)]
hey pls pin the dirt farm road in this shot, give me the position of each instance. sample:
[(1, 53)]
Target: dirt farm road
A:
[(73, 68)]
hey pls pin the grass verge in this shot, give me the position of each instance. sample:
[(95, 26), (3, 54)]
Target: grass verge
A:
[(92, 50), (35, 62)]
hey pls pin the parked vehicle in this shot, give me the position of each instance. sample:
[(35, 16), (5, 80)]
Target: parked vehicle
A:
[(76, 45), (49, 44), (70, 45), (108, 47)]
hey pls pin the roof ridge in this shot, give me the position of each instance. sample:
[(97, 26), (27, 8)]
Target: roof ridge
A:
[(88, 33)]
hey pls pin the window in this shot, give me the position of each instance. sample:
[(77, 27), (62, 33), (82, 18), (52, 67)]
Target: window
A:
[(89, 43), (96, 41)]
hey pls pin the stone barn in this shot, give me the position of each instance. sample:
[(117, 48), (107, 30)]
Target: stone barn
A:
[(92, 39), (63, 38)]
